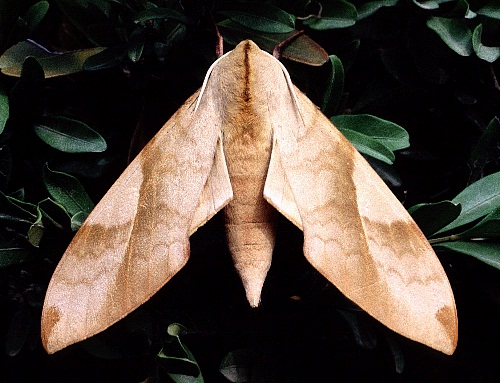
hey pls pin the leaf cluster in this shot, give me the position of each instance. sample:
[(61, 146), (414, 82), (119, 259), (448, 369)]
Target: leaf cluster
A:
[(85, 83)]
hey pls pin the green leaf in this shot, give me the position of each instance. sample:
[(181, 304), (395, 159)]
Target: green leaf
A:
[(486, 149), (486, 252), (159, 13), (67, 191), (367, 145), (334, 14), (5, 166), (176, 329), (4, 108), (55, 213), (35, 232), (77, 220), (430, 4), (369, 8), (237, 365), (93, 19), (454, 32), (183, 368), (387, 133), (363, 335), (461, 9), (431, 217), (135, 50), (488, 227), (68, 135), (19, 328), (35, 15), (489, 54), (13, 211), (107, 58), (397, 353), (477, 200), (13, 255), (53, 63), (335, 87), (491, 9), (264, 18)]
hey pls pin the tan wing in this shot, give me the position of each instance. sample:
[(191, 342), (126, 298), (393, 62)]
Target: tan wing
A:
[(137, 237), (217, 191), (356, 233)]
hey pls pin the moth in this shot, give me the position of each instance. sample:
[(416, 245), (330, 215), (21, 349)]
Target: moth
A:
[(251, 143)]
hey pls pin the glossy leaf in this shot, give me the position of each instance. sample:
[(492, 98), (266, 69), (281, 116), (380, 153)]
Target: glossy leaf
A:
[(5, 166), (397, 353), (363, 334), (107, 58), (13, 255), (334, 14), (489, 54), (486, 252), (237, 365), (367, 145), (387, 133), (264, 18), (68, 135), (67, 190), (77, 220), (55, 213), (53, 63), (488, 227), (160, 13), (427, 4), (477, 200), (35, 232), (490, 9), (454, 32), (35, 15), (93, 19), (13, 211), (4, 108), (486, 149), (430, 4), (461, 9), (334, 88), (431, 217), (182, 368), (135, 51), (370, 7), (387, 172)]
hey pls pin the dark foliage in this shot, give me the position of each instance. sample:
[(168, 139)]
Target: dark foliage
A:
[(86, 83)]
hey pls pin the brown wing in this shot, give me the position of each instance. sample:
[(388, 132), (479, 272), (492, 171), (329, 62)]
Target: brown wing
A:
[(137, 237), (356, 233)]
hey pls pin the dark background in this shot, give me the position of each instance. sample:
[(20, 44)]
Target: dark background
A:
[(395, 68)]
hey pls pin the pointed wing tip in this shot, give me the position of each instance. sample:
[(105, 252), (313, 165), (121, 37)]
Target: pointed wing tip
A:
[(49, 348), (447, 347)]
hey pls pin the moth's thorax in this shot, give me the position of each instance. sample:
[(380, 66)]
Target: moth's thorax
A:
[(247, 131)]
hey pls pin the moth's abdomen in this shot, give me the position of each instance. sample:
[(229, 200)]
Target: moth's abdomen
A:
[(249, 218)]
